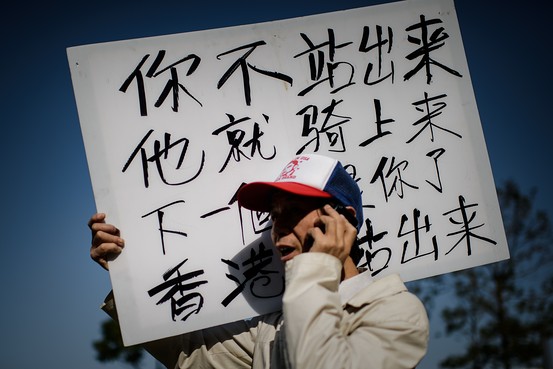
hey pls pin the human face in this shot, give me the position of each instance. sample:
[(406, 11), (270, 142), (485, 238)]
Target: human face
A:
[(292, 217)]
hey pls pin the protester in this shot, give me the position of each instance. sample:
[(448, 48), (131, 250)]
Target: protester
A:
[(332, 315)]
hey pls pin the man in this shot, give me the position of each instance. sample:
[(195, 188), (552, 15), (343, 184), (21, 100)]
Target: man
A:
[(332, 316)]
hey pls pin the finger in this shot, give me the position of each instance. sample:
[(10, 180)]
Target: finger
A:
[(102, 237), (333, 222), (330, 211), (97, 223), (103, 263), (328, 240), (315, 233), (339, 233), (96, 218), (104, 253), (106, 228), (107, 251)]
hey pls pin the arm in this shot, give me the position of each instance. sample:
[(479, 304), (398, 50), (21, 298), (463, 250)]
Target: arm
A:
[(106, 245), (383, 326), (229, 346)]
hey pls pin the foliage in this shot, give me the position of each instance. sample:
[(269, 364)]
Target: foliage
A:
[(110, 346), (505, 309)]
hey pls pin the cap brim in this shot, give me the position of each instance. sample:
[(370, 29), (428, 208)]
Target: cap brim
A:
[(257, 195)]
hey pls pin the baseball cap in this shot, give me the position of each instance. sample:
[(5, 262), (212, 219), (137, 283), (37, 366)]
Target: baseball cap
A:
[(310, 175)]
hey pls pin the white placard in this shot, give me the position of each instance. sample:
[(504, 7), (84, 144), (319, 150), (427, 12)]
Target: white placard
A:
[(173, 126)]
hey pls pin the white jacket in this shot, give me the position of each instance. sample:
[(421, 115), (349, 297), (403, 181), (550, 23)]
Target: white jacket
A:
[(379, 326)]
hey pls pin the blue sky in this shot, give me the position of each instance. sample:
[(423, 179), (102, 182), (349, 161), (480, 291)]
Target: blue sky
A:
[(52, 289)]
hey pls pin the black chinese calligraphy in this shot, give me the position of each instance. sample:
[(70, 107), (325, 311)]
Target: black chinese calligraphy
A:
[(260, 221), (373, 261), (392, 179), (431, 107), (464, 220), (160, 212), (330, 127), (324, 63), (435, 155), (416, 246), (177, 286), (173, 85), (379, 123), (236, 140), (262, 282), (379, 46), (160, 157), (428, 42), (244, 66)]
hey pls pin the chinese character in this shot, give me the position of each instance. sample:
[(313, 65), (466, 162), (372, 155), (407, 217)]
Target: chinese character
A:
[(244, 65), (379, 123), (429, 115), (435, 154), (317, 64), (173, 83), (428, 43), (370, 238), (395, 173), (466, 228), (160, 214), (332, 130), (161, 158), (259, 220), (235, 139), (417, 237), (181, 303), (378, 46), (254, 275)]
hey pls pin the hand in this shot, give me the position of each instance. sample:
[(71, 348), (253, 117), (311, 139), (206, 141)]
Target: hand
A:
[(338, 235), (106, 241)]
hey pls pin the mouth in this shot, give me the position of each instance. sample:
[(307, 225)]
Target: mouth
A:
[(286, 252)]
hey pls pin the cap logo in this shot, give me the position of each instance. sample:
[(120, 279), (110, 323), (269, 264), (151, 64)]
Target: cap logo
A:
[(289, 171)]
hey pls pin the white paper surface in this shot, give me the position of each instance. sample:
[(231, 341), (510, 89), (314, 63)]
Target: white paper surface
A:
[(385, 89)]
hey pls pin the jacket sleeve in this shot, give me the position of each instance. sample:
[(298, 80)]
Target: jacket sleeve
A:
[(383, 326), (229, 346)]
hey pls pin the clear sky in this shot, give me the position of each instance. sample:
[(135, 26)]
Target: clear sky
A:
[(52, 290)]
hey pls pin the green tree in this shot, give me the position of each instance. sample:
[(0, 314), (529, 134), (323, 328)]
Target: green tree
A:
[(110, 346), (505, 309)]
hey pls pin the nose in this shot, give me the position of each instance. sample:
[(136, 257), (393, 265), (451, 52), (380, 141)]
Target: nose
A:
[(279, 230)]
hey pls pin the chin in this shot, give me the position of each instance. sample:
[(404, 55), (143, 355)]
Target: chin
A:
[(289, 256)]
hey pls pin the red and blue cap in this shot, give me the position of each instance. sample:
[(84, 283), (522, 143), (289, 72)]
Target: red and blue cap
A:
[(306, 175)]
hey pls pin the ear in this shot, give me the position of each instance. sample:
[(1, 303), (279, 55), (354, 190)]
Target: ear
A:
[(351, 216), (351, 209)]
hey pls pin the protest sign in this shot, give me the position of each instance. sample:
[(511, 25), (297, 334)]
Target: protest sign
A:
[(174, 125)]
